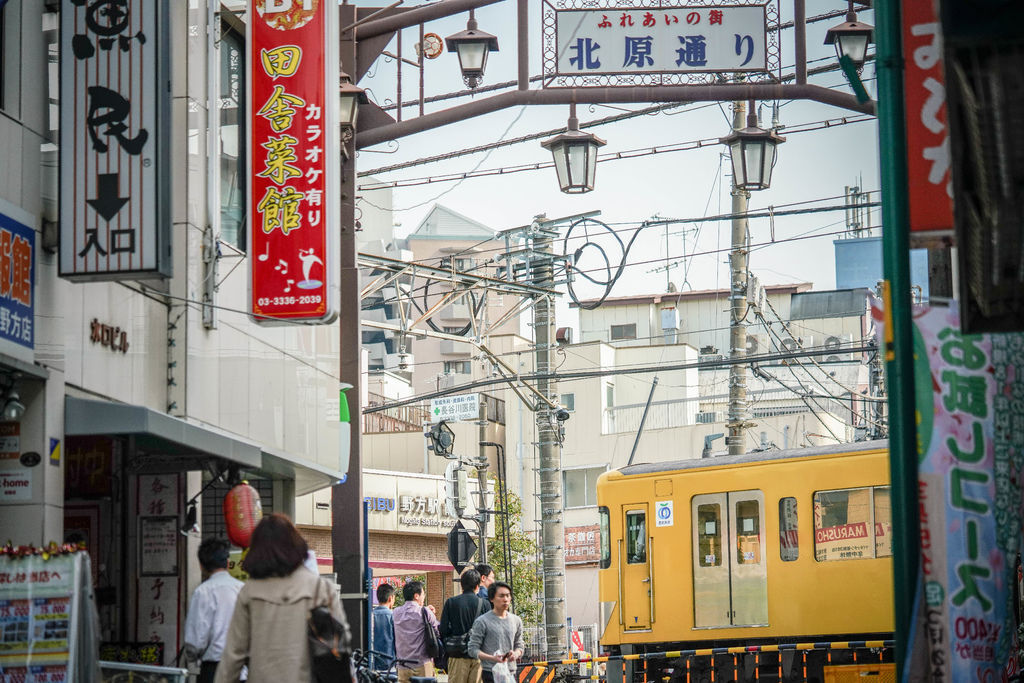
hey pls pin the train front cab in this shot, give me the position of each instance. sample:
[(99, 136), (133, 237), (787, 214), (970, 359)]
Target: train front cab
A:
[(685, 569)]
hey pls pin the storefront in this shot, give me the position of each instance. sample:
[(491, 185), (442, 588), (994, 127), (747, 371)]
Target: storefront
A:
[(408, 523), (142, 489)]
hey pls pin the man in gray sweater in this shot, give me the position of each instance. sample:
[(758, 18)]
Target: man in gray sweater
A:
[(497, 636)]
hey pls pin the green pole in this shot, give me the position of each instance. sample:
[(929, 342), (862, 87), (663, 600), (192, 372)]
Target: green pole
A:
[(898, 349)]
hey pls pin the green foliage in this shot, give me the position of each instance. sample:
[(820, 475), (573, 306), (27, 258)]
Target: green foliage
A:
[(527, 584)]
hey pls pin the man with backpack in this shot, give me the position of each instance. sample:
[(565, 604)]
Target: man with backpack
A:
[(457, 619)]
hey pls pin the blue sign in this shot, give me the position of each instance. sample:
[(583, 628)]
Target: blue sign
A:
[(17, 282)]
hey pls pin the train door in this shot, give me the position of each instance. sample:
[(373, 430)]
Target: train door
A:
[(634, 569), (730, 586)]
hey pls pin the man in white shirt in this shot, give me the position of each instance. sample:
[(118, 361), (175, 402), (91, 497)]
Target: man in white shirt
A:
[(209, 612)]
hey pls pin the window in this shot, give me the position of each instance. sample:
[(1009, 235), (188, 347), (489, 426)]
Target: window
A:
[(606, 541), (789, 541), (568, 401), (457, 367), (748, 532), (620, 332), (852, 524), (580, 486), (636, 537), (709, 535), (232, 139)]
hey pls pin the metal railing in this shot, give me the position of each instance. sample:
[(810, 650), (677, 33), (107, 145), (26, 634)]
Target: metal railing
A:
[(122, 672)]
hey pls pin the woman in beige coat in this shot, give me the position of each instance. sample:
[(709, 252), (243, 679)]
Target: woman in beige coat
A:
[(268, 628)]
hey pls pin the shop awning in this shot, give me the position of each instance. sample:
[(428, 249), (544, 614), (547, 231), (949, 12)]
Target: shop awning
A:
[(172, 444)]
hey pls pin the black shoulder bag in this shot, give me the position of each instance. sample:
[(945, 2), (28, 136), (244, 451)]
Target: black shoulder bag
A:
[(432, 642), (329, 643)]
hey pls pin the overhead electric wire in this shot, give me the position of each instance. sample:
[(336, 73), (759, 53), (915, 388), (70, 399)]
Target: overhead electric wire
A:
[(601, 158), (588, 374)]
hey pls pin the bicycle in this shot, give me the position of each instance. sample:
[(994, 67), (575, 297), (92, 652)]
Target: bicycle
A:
[(365, 673)]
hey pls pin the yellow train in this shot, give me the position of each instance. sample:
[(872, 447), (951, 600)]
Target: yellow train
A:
[(752, 550)]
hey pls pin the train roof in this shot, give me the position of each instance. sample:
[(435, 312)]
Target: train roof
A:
[(759, 456)]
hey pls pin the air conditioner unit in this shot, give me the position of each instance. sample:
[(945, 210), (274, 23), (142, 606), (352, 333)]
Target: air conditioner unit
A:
[(756, 344), (790, 344), (835, 344)]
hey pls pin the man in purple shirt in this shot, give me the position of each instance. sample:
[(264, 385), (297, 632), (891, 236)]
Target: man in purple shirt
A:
[(410, 645)]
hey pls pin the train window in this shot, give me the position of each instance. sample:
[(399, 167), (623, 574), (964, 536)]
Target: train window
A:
[(606, 543), (841, 523), (883, 522), (636, 537), (748, 532), (709, 535), (789, 540)]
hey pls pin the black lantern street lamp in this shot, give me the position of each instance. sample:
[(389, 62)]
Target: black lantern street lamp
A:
[(851, 38), (350, 97), (473, 46), (753, 154), (575, 155)]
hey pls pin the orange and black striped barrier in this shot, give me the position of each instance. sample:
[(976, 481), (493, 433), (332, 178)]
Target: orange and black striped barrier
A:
[(544, 671)]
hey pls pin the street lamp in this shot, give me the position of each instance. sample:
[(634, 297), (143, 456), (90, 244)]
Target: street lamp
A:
[(351, 96), (851, 38), (473, 46), (575, 154), (753, 154)]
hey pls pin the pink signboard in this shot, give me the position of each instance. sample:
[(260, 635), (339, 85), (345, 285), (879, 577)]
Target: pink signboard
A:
[(293, 138)]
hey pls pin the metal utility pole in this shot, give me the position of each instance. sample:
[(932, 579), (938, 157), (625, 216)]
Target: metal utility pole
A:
[(738, 309), (481, 478), (551, 529), (347, 513)]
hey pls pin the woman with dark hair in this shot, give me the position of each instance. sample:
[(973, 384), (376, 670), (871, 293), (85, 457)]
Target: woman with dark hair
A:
[(268, 628)]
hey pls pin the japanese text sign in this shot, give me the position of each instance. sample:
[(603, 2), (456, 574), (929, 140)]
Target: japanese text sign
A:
[(461, 408), (293, 143), (700, 38), (930, 199), (115, 114), (17, 284), (37, 617), (970, 433)]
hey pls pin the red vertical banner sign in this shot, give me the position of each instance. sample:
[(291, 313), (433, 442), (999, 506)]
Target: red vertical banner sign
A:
[(293, 147), (928, 156)]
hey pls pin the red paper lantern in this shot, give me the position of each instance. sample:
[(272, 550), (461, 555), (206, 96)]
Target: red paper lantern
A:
[(242, 512)]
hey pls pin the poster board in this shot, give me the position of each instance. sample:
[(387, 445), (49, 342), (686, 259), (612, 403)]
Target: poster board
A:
[(47, 618)]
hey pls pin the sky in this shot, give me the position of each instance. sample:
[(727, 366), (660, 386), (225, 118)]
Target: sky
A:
[(811, 166)]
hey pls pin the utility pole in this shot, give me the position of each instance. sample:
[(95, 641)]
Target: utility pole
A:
[(551, 528), (347, 512), (738, 309), (481, 478)]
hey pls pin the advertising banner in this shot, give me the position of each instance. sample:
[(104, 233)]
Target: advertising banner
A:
[(970, 404), (17, 286), (45, 620), (293, 143), (931, 204), (114, 123)]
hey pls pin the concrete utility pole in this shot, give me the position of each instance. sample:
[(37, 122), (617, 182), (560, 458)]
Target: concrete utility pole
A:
[(551, 528), (738, 309), (481, 478)]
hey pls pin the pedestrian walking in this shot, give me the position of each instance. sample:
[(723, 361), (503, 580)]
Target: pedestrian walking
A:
[(457, 619), (486, 579), (269, 626), (411, 620), (210, 609), (384, 628), (497, 636)]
